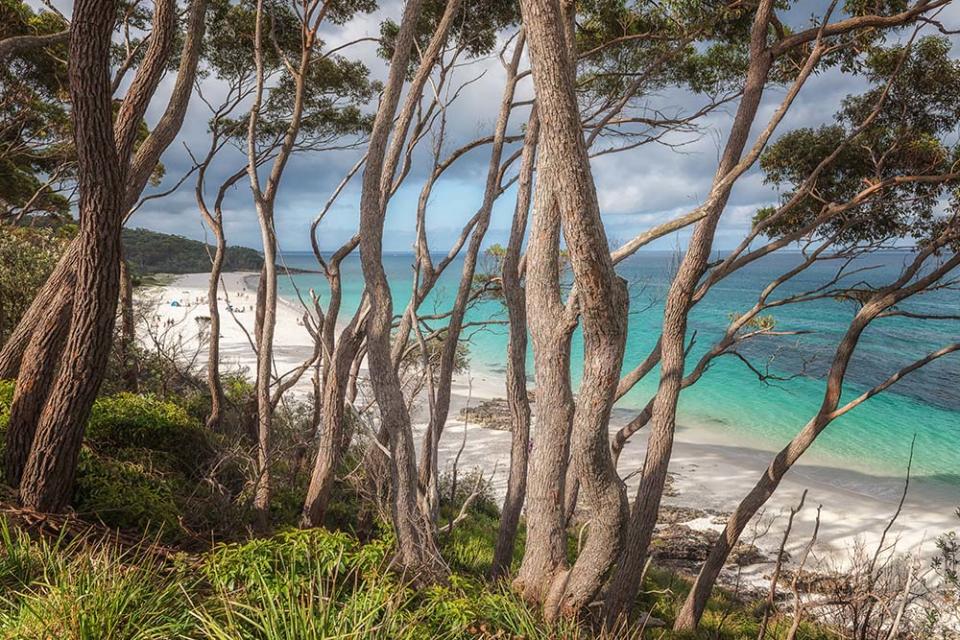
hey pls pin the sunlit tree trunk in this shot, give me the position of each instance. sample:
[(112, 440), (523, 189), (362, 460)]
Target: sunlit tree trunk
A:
[(566, 191), (331, 435), (428, 471), (643, 518), (416, 548), (36, 376), (517, 399)]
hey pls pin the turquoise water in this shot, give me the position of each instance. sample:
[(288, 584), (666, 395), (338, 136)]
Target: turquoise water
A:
[(730, 400)]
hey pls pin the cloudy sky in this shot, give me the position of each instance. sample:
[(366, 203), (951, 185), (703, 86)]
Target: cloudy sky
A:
[(637, 189)]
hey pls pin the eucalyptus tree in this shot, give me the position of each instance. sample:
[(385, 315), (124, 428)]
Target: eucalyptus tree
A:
[(74, 324), (416, 548), (305, 98), (103, 157), (743, 49), (569, 430), (887, 184), (34, 118), (449, 36)]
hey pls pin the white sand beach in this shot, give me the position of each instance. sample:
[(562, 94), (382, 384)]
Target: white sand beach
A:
[(710, 470)]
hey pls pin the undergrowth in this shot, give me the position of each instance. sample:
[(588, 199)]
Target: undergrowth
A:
[(147, 468)]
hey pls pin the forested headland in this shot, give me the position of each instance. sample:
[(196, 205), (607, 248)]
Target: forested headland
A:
[(148, 252)]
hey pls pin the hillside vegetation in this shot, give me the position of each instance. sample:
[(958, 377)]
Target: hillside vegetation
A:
[(150, 252)]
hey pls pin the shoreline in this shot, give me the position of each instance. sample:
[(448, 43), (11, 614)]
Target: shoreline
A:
[(709, 472)]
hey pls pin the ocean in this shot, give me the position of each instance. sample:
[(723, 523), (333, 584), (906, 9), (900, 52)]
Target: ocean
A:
[(730, 400)]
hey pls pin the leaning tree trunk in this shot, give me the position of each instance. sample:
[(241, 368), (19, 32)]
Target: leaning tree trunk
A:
[(35, 377), (623, 589), (517, 399), (331, 426), (214, 382), (48, 477), (695, 604), (55, 294), (428, 472)]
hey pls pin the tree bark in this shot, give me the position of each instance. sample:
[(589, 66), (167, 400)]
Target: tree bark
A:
[(56, 292), (545, 548), (566, 196), (623, 588), (416, 547), (331, 426), (567, 183), (33, 385), (214, 383), (517, 400), (48, 477)]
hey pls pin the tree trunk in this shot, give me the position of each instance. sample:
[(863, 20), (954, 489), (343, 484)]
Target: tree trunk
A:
[(428, 471), (517, 399), (33, 386), (625, 585), (416, 547), (47, 480), (566, 183), (332, 427), (544, 556), (56, 293), (128, 332), (268, 321), (214, 383), (545, 548)]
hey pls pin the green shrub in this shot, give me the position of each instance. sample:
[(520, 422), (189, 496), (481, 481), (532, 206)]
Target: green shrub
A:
[(127, 420), (237, 389), (22, 560), (6, 398), (286, 606), (299, 553), (304, 585), (6, 394), (128, 495)]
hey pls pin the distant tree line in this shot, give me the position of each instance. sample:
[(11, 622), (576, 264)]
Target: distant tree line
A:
[(148, 252)]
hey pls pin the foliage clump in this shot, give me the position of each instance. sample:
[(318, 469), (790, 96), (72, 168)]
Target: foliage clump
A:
[(28, 256), (885, 138), (130, 421)]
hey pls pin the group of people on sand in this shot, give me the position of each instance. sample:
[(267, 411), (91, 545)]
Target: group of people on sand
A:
[(167, 322)]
